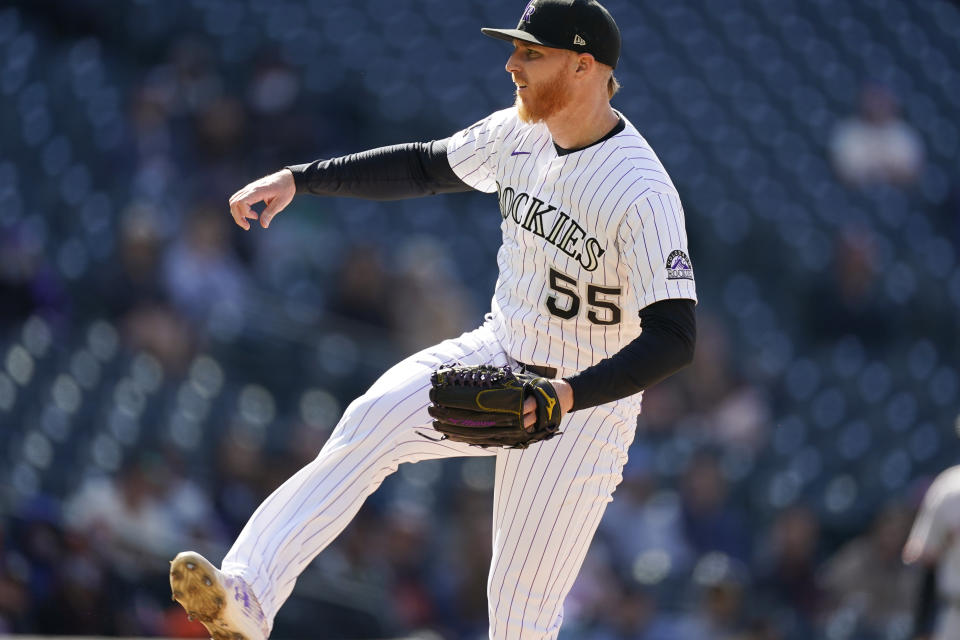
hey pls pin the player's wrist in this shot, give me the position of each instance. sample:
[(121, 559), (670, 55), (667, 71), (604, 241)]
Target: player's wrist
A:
[(564, 393)]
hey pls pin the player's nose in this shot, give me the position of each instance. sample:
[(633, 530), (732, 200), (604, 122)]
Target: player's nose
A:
[(513, 62)]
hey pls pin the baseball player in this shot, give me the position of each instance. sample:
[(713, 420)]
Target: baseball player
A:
[(595, 294), (934, 543)]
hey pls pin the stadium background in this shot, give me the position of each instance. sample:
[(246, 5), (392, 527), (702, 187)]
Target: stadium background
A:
[(161, 371)]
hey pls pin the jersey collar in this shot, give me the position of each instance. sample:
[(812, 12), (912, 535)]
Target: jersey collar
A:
[(617, 128)]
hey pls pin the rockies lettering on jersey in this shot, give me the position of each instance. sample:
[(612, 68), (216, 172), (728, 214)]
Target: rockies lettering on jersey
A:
[(564, 233)]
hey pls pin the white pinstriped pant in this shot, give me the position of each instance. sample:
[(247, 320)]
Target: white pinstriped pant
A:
[(548, 499)]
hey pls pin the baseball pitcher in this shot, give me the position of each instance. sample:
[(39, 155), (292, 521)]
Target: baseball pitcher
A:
[(594, 303)]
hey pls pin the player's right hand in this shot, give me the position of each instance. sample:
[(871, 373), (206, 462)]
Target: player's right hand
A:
[(275, 190)]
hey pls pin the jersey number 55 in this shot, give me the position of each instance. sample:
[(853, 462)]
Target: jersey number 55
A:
[(565, 301)]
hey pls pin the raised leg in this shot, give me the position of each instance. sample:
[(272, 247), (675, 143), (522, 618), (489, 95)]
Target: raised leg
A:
[(377, 433)]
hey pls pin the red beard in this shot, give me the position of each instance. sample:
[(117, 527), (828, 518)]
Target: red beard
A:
[(546, 100)]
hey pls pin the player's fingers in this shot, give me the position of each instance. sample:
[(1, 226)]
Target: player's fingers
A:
[(274, 207), (240, 211), (529, 414)]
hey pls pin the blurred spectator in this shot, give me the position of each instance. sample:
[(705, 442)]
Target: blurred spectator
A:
[(134, 294), (742, 418), (721, 586), (628, 611), (220, 127), (238, 480), (786, 568), (16, 290), (357, 600), (155, 170), (125, 520), (189, 507), (14, 604), (708, 381), (203, 278), (279, 126), (28, 283), (15, 578), (711, 395), (405, 537), (361, 289), (645, 517), (137, 281), (710, 520), (876, 146), (949, 222), (428, 302), (460, 579), (867, 578), (160, 331), (80, 602), (848, 295), (194, 76)]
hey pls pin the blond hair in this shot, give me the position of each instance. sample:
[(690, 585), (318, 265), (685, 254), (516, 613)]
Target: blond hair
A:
[(613, 85)]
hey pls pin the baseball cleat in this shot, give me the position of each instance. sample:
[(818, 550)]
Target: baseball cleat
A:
[(223, 603)]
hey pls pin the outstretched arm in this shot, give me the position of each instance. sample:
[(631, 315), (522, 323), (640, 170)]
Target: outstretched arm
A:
[(387, 173)]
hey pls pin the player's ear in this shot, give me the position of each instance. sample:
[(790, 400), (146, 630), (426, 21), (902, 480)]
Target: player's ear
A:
[(585, 62)]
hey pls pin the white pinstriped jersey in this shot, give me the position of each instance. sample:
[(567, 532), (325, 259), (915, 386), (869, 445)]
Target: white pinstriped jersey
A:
[(589, 238), (935, 535)]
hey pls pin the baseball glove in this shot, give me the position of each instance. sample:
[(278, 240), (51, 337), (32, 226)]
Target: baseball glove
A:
[(483, 406)]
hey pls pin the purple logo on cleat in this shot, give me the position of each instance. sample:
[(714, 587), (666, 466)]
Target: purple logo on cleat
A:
[(241, 595)]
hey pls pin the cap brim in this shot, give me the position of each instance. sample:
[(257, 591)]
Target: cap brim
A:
[(509, 35)]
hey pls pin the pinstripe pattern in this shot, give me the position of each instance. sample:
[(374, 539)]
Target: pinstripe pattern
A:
[(586, 238), (617, 192), (548, 501), (376, 434), (547, 507)]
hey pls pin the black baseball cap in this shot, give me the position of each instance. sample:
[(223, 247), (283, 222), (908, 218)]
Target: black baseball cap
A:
[(583, 26)]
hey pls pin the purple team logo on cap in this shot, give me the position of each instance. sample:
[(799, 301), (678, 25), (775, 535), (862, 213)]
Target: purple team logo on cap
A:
[(531, 7)]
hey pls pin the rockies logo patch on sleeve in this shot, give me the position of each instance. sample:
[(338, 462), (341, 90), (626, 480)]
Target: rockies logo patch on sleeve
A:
[(678, 266)]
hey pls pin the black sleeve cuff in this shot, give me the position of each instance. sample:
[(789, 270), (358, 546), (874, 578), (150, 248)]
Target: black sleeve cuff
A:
[(299, 176), (664, 346)]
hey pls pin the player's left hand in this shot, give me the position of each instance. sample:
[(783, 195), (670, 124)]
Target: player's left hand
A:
[(564, 394), (485, 406)]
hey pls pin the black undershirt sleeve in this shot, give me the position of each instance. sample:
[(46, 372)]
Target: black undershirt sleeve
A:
[(664, 346), (387, 173)]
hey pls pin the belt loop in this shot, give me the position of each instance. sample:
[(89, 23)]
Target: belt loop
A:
[(545, 372)]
